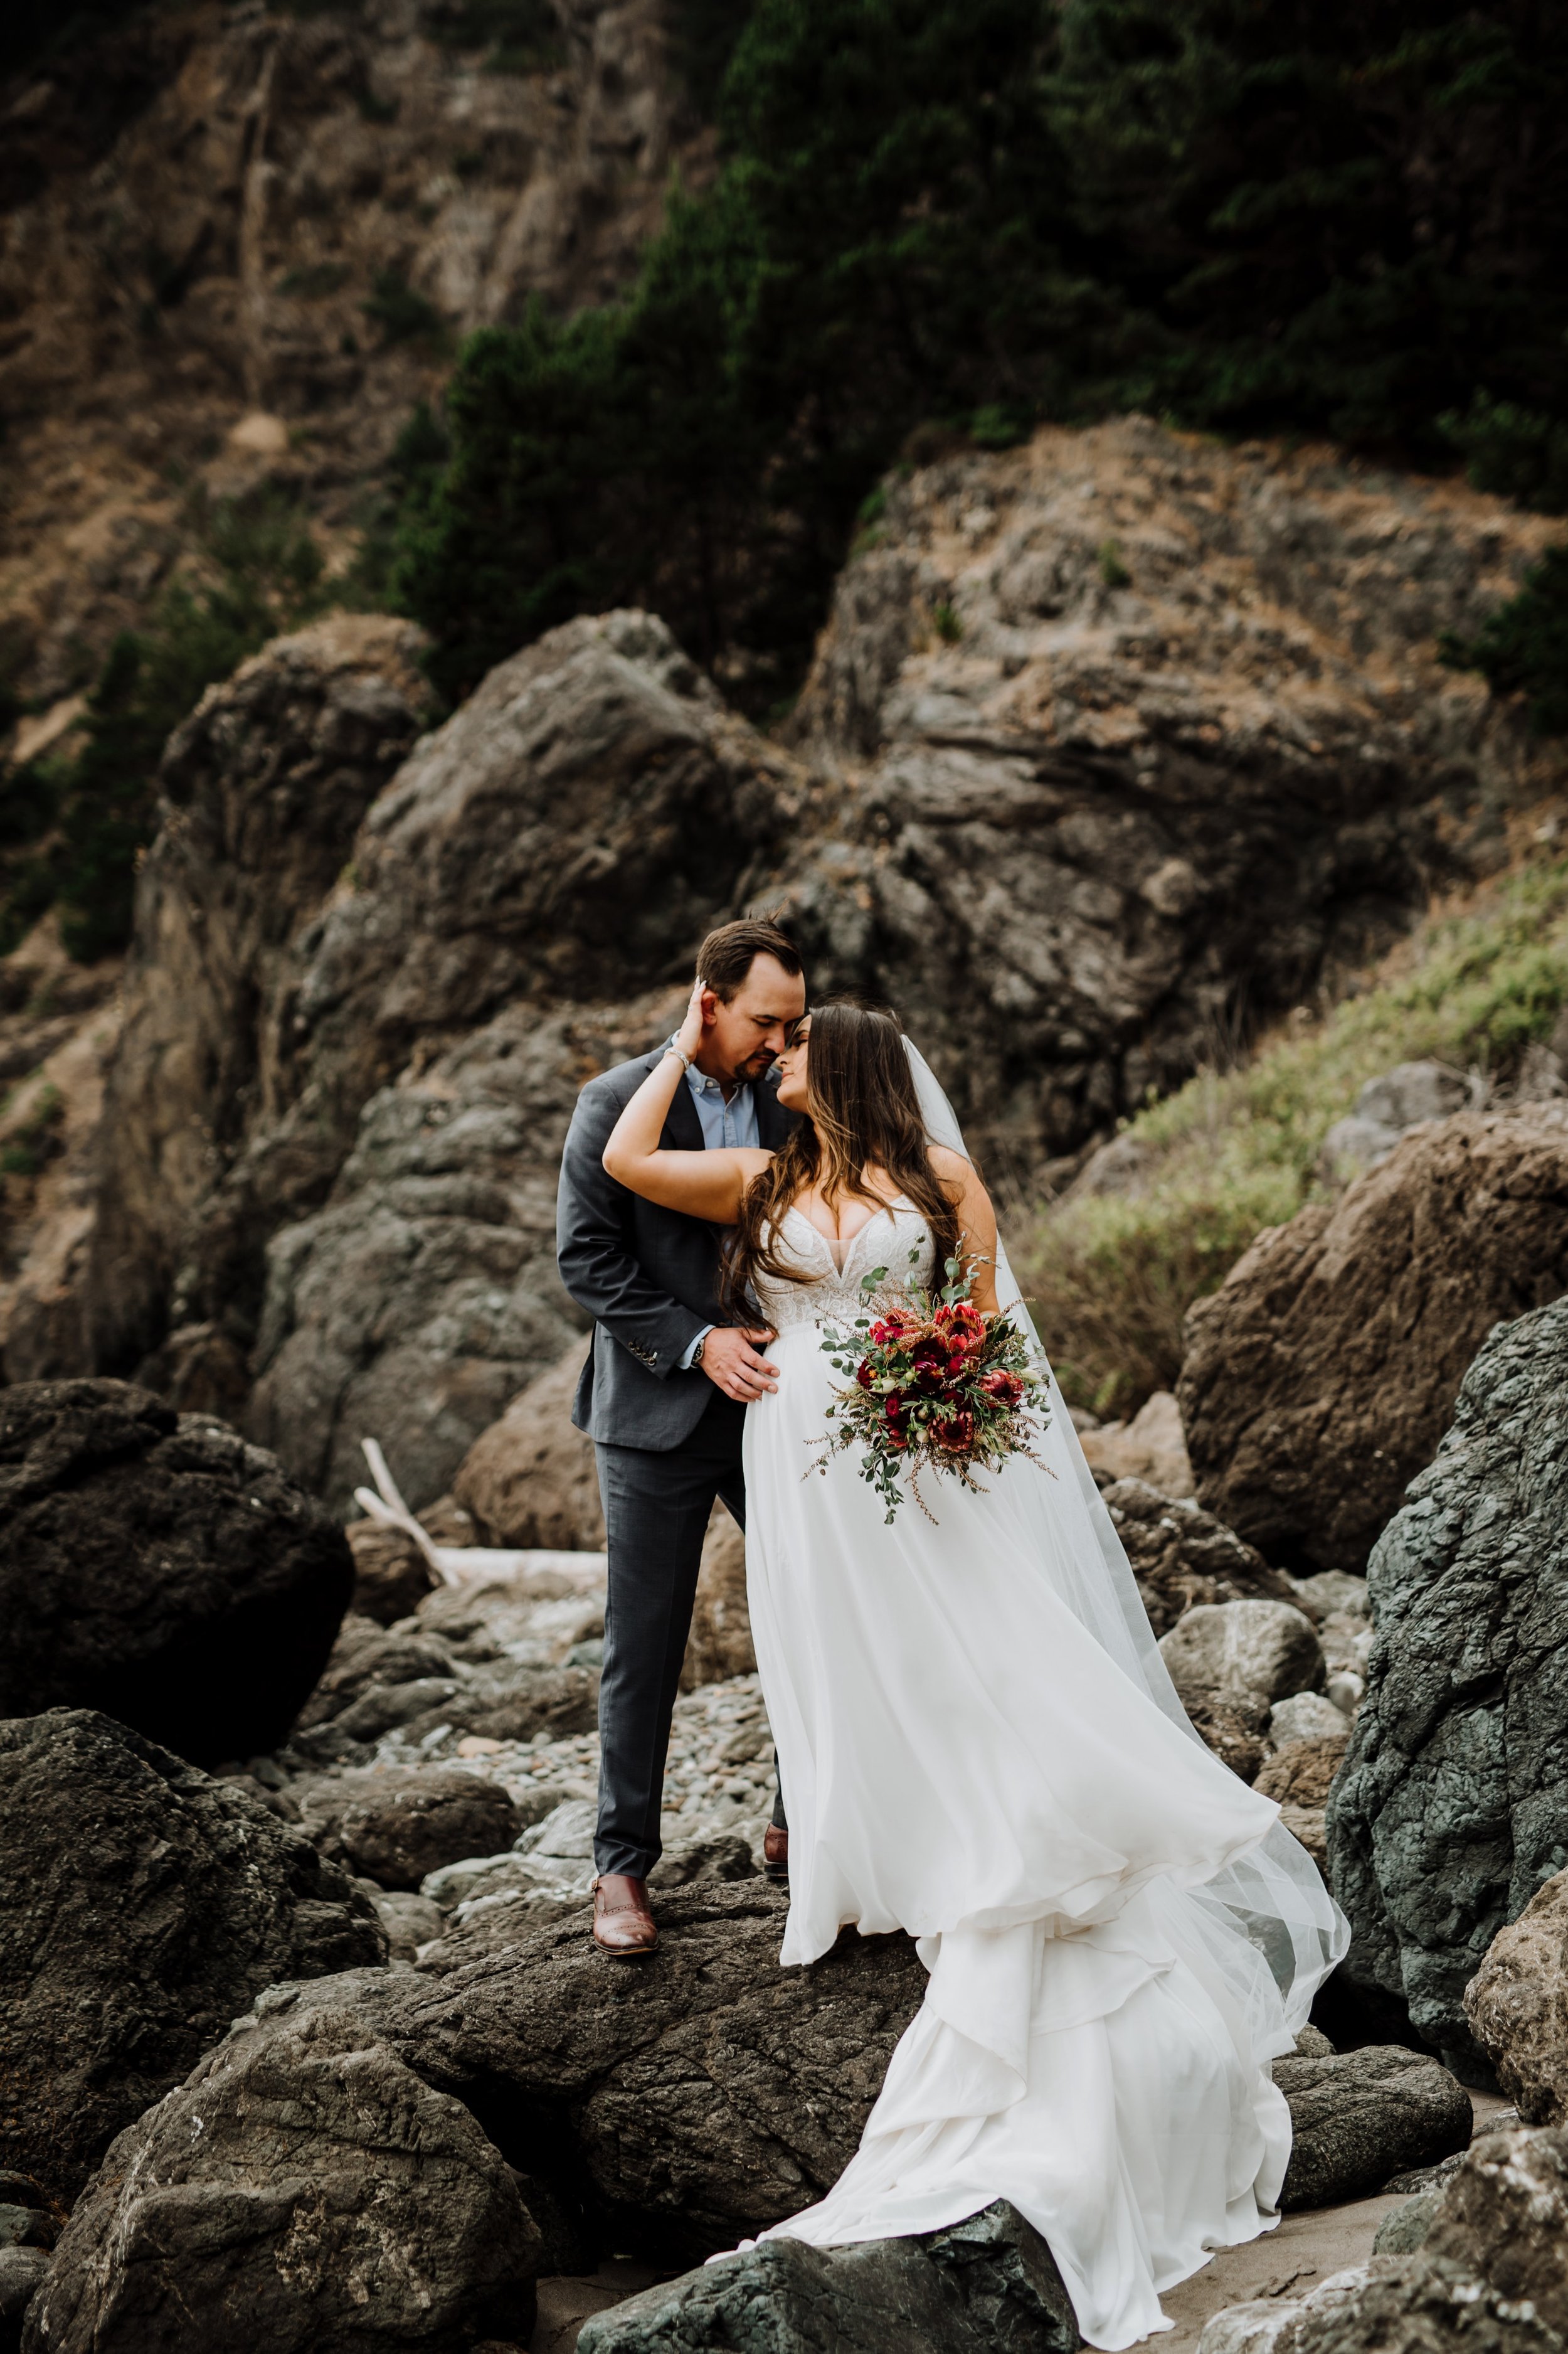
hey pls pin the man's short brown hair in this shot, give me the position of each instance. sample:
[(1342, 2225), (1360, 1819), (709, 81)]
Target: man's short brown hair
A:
[(726, 956)]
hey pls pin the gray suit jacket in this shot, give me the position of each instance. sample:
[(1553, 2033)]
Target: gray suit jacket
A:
[(647, 1276)]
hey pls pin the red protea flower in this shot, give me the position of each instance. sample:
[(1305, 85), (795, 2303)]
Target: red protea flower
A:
[(1005, 1387)]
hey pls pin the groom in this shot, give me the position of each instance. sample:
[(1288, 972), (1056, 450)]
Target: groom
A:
[(664, 1391)]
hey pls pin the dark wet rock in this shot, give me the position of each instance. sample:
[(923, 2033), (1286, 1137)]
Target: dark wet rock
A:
[(1360, 2116), (1451, 1808), (367, 1654), (985, 2286), (397, 1826), (686, 2103), (304, 2193), (154, 1566), (142, 1906), (1181, 1555)]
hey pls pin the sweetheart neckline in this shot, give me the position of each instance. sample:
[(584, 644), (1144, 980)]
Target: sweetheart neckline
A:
[(840, 1267)]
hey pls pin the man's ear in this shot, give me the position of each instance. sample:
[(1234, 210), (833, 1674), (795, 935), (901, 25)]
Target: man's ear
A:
[(710, 1008)]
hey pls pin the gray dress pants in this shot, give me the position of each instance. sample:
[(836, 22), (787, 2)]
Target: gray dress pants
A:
[(656, 1508)]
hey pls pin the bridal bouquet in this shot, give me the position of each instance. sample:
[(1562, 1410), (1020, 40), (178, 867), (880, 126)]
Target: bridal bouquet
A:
[(935, 1385)]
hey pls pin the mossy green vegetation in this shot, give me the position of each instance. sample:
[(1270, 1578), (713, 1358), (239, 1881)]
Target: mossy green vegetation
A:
[(1112, 1276)]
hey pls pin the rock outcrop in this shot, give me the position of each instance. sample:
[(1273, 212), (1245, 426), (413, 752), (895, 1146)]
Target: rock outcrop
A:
[(154, 1566), (305, 2193), (530, 1479), (1452, 1805), (1360, 2116), (1516, 2004), (988, 2285), (1181, 1555), (685, 2104), (1120, 718), (568, 835), (263, 789), (1482, 2268), (141, 1908), (1243, 1655), (399, 1827), (1319, 1377)]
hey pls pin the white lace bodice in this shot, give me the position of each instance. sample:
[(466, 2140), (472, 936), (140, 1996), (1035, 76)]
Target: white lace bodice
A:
[(832, 1293)]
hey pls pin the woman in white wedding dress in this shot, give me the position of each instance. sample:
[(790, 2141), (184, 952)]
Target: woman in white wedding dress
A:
[(978, 1744)]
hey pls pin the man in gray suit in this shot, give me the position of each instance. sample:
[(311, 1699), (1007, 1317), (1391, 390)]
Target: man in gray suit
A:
[(664, 1391)]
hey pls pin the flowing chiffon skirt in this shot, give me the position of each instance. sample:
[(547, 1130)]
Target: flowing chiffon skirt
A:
[(961, 1759)]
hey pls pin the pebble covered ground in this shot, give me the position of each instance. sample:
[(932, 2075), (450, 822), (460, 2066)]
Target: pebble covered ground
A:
[(719, 1782)]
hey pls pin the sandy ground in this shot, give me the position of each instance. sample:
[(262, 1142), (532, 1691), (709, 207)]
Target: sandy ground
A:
[(1304, 2250)]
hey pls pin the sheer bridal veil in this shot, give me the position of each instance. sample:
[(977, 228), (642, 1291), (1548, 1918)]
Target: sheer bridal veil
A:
[(1273, 1896)]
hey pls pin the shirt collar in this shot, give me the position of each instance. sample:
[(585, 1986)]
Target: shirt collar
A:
[(700, 1084)]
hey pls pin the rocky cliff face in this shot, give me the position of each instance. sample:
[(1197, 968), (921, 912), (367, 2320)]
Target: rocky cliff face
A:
[(1141, 741), (195, 212), (1070, 807)]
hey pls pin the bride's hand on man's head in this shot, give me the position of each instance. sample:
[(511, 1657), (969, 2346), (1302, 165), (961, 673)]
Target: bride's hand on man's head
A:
[(690, 1036)]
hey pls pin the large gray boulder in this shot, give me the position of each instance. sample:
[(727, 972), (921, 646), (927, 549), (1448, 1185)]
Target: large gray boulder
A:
[(1358, 2117), (141, 1908), (1319, 1379), (156, 1567), (304, 2193), (688, 2103), (264, 787), (1451, 1808), (1243, 1655), (985, 2286), (1065, 829)]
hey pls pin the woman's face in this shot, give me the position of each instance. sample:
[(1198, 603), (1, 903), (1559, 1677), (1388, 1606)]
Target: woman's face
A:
[(792, 1068)]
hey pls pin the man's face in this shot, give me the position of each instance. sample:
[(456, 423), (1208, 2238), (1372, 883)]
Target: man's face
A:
[(741, 1039)]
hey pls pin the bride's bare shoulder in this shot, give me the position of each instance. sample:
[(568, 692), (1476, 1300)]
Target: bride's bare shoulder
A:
[(950, 1166)]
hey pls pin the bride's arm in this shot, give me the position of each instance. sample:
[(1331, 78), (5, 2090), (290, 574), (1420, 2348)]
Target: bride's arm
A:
[(703, 1184), (976, 1222)]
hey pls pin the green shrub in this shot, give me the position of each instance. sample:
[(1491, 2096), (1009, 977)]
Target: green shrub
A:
[(1516, 453), (1523, 648), (1112, 1276)]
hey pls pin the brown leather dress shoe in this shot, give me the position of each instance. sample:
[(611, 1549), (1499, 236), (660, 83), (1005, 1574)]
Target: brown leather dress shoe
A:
[(622, 1924), (776, 1851)]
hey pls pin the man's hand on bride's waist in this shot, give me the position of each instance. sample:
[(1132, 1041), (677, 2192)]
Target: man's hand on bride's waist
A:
[(733, 1361)]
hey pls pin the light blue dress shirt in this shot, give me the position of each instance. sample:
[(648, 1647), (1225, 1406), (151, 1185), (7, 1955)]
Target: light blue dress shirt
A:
[(724, 1126)]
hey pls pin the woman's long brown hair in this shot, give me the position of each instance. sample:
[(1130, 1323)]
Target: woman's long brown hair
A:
[(863, 1112)]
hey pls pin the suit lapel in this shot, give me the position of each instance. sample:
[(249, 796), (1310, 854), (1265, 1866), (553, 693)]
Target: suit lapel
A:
[(683, 1130), (773, 1122)]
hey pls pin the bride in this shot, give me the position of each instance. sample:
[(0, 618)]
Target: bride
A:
[(979, 1744)]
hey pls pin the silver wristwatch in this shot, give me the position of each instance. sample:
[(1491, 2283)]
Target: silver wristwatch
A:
[(697, 1351)]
